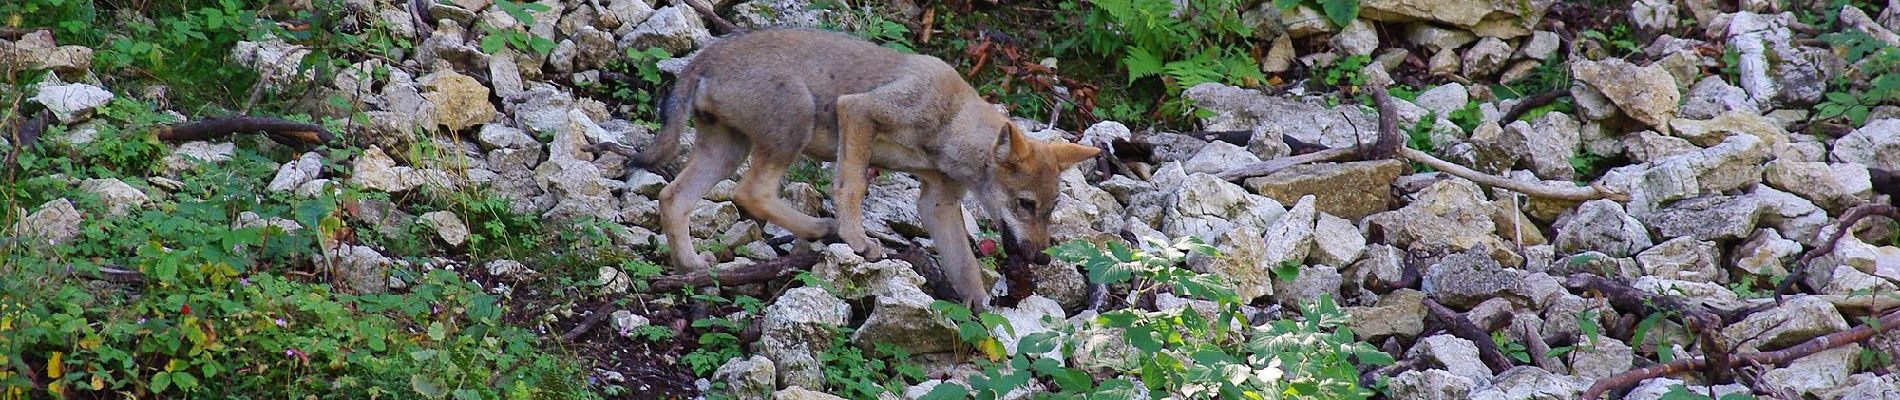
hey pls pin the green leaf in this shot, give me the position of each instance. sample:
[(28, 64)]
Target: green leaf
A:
[(1038, 343), (992, 321), (184, 381), (426, 386), (493, 43), (1371, 356), (1842, 98), (947, 391), (160, 381), (1341, 12), (437, 332)]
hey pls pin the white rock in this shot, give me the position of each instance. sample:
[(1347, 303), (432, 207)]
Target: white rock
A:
[(447, 226), (71, 102)]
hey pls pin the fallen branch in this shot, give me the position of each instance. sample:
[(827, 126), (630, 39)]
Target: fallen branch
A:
[(1573, 193), (1872, 303), (782, 267), (592, 320), (1528, 103), (1462, 327), (1390, 145), (925, 265), (706, 11), (1371, 378), (295, 134), (110, 274), (1778, 357), (1275, 165), (1841, 230)]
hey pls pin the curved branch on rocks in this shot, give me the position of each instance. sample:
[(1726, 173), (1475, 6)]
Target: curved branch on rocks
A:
[(766, 271), (1573, 193), (717, 21), (1528, 103), (1390, 146), (1816, 345), (295, 134), (1463, 328), (1277, 164), (1841, 230)]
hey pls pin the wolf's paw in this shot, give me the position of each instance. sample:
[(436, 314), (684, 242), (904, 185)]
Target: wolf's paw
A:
[(870, 249)]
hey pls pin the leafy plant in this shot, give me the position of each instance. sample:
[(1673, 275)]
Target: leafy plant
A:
[(1678, 392), (1187, 352), (1877, 69), (518, 37), (1345, 72)]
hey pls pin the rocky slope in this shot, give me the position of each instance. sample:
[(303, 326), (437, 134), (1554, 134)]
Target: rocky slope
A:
[(1725, 188)]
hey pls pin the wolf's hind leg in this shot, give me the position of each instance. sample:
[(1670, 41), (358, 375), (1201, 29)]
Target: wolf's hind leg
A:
[(759, 190), (716, 154)]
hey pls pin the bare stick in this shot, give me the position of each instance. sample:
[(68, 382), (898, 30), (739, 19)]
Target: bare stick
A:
[(1277, 164), (1575, 193), (1528, 103), (1816, 345), (1462, 327), (283, 132), (781, 267), (707, 11), (1847, 222), (600, 314)]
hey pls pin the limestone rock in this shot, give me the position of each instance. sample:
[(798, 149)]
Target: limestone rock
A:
[(1351, 190), (1647, 94)]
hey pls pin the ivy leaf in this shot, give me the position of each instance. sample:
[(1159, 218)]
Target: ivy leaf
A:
[(1341, 12)]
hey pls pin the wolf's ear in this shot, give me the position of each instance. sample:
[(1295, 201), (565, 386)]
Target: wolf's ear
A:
[(1070, 153), (1011, 144)]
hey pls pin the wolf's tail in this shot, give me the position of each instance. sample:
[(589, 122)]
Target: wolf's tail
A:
[(674, 107)]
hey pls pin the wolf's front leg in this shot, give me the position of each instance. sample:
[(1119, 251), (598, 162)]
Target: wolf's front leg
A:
[(855, 132), (939, 205)]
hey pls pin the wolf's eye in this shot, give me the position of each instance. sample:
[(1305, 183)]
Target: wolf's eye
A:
[(1026, 204)]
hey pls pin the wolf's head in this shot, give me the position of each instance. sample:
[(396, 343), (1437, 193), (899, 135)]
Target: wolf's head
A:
[(1021, 190)]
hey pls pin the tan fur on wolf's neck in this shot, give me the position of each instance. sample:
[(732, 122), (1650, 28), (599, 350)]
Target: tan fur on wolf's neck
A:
[(772, 95)]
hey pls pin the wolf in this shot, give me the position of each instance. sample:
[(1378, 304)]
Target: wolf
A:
[(772, 95)]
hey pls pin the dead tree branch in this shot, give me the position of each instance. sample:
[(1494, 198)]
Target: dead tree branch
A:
[(1528, 103), (1275, 165), (1778, 357), (294, 134), (1462, 327), (1574, 193), (725, 27), (592, 320), (1390, 145), (1841, 230), (782, 267)]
